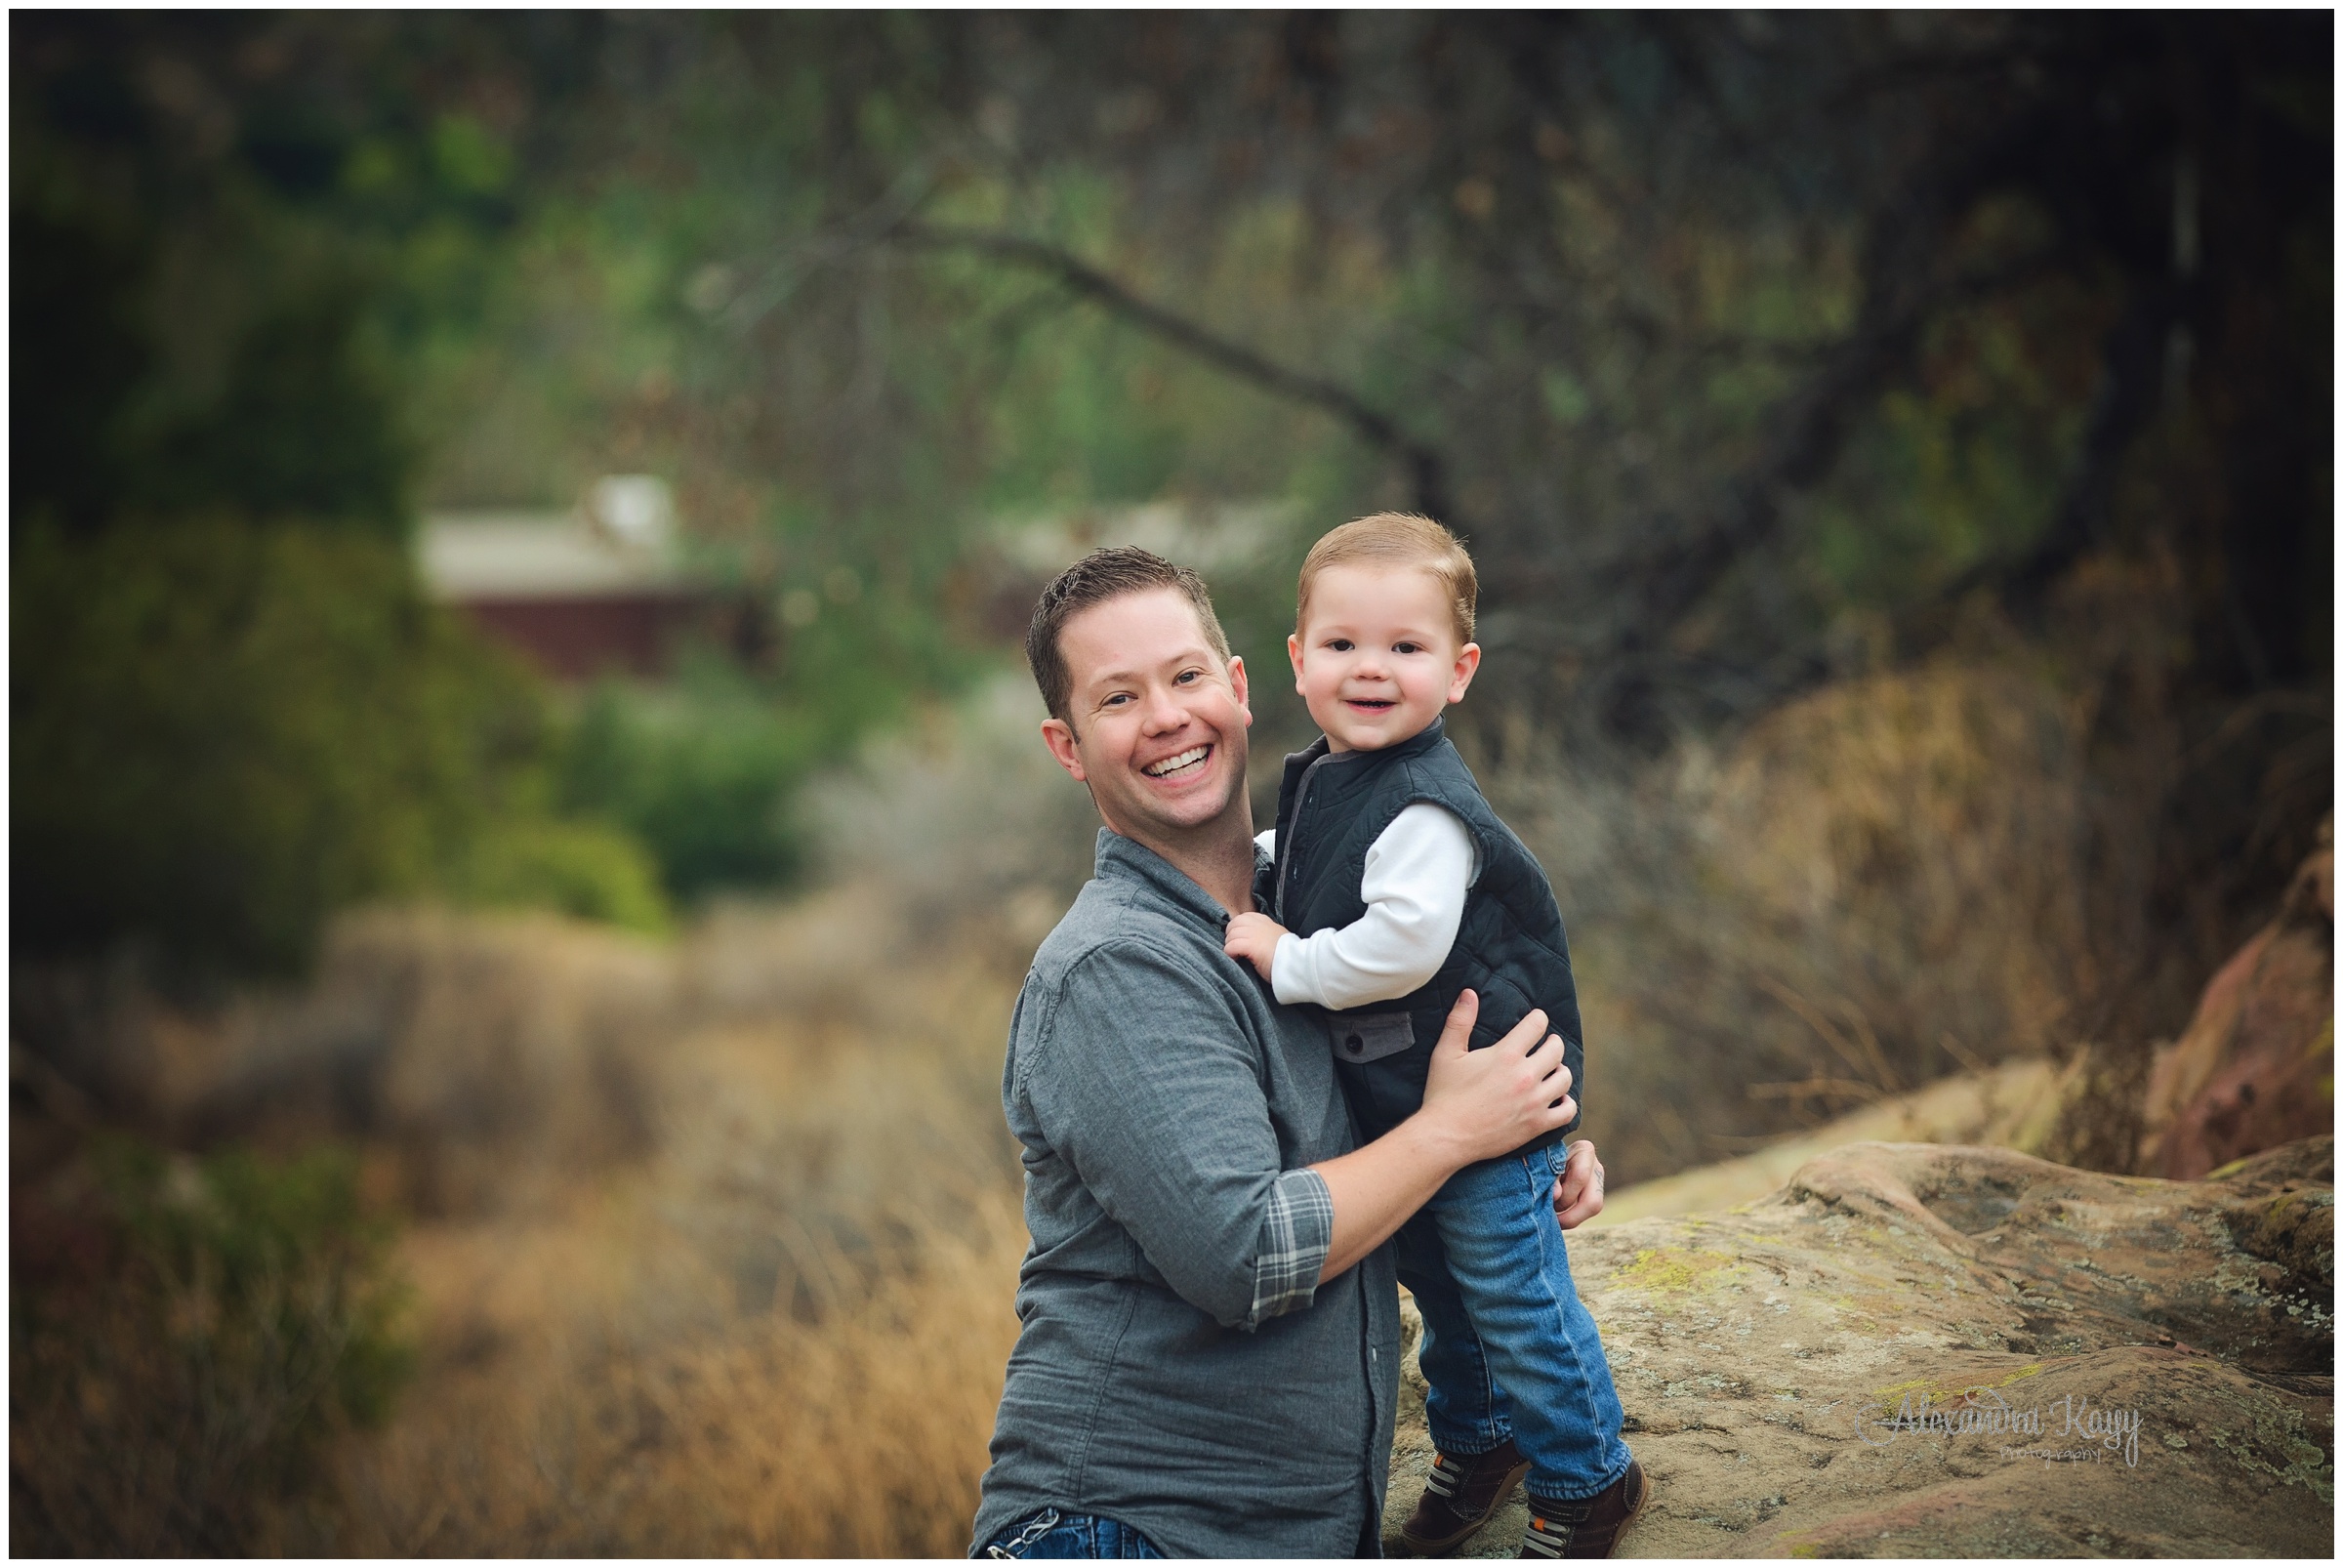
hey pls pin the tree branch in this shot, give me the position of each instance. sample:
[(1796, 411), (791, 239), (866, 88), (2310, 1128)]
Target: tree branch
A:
[(2131, 362), (1903, 290), (1426, 467)]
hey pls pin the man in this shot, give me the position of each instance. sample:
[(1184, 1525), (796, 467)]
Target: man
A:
[(1209, 1356)]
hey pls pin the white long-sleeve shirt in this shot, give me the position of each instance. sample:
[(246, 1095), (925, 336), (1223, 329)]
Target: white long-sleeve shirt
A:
[(1417, 872)]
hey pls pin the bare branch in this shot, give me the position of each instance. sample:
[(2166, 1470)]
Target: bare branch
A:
[(1426, 467), (2131, 364), (1903, 290)]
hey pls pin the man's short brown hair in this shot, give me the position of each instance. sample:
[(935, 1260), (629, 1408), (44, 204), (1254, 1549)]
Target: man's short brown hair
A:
[(1107, 572), (1398, 539)]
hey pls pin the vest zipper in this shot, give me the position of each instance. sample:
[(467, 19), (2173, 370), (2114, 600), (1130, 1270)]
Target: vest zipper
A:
[(1285, 851)]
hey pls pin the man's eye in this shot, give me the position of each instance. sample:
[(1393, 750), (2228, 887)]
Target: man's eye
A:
[(1115, 700), (1185, 675)]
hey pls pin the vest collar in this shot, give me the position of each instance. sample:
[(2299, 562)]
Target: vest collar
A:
[(1416, 745)]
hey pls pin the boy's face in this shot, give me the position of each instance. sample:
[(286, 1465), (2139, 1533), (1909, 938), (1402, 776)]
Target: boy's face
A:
[(1158, 718), (1379, 658)]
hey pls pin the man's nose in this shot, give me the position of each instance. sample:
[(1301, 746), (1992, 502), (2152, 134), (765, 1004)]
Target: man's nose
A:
[(1164, 712)]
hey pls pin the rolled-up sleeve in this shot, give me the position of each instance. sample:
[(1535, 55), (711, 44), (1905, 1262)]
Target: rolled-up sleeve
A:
[(1297, 1230), (1146, 1083)]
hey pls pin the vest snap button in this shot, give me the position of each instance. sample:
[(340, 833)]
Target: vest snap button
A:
[(1354, 1045)]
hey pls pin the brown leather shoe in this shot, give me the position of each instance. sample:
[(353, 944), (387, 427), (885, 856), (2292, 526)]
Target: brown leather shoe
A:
[(1590, 1527), (1459, 1497)]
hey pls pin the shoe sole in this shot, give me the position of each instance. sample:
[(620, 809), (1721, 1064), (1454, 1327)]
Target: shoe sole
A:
[(1417, 1546)]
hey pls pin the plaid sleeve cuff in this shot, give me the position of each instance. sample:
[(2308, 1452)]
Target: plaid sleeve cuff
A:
[(1296, 1229)]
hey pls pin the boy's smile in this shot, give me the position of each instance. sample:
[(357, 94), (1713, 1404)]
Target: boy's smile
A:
[(1378, 657)]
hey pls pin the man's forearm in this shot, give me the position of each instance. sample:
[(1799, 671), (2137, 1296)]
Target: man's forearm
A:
[(1374, 1189)]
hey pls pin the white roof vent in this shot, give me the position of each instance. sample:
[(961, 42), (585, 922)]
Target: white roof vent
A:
[(636, 511)]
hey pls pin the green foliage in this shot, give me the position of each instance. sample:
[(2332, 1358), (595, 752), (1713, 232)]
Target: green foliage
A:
[(223, 731), (215, 350), (702, 778), (583, 869), (283, 1252), (305, 426), (232, 711), (186, 1335)]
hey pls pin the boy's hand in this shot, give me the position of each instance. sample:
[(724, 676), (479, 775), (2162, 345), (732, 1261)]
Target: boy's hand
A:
[(1254, 938), (1578, 1195)]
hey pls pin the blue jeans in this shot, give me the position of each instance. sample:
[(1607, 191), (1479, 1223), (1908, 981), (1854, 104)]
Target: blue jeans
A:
[(1507, 1347), (1047, 1533)]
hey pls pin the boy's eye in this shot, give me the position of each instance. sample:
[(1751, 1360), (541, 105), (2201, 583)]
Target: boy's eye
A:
[(1341, 644), (1407, 647)]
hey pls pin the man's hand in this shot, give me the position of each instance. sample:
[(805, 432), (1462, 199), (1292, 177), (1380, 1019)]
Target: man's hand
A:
[(1477, 1104), (1254, 938), (1492, 1100), (1579, 1193)]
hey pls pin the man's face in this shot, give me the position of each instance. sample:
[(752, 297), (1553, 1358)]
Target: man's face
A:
[(1158, 718)]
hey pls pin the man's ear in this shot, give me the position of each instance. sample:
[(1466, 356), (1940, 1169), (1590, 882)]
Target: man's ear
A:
[(1236, 683), (1058, 736), (1468, 659), (1294, 656)]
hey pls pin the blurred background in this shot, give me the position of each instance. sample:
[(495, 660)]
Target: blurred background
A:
[(526, 822)]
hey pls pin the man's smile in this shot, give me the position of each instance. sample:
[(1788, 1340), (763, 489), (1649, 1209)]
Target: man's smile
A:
[(1179, 765)]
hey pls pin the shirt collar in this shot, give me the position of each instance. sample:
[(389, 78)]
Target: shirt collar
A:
[(1122, 859)]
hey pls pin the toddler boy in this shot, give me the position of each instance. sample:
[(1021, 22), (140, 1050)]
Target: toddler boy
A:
[(1393, 887)]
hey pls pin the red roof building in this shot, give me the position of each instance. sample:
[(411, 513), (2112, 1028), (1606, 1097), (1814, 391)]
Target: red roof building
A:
[(597, 589)]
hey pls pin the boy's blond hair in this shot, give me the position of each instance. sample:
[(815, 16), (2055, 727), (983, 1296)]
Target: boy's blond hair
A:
[(1397, 539)]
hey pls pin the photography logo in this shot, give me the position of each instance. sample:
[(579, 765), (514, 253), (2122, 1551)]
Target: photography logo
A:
[(2067, 1430)]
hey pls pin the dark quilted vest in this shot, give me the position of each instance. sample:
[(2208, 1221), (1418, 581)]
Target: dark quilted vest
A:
[(1331, 808)]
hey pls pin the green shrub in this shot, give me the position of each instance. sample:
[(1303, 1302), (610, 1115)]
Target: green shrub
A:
[(585, 869), (223, 731), (703, 775), (181, 1360)]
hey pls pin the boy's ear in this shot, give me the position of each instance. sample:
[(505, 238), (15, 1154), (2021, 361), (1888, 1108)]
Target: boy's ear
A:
[(1294, 656), (1469, 660), (1058, 736)]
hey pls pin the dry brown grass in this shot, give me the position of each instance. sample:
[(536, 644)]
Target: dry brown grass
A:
[(782, 1332), (1898, 876), (589, 1420), (1872, 887)]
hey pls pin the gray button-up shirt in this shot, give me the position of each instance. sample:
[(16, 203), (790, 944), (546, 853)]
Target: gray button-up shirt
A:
[(1181, 1369)]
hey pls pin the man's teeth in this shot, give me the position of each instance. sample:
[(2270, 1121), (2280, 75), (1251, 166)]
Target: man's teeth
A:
[(1177, 764)]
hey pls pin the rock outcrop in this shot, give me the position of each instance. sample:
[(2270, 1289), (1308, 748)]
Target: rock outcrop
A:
[(1917, 1350), (2015, 1105), (2257, 1064)]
